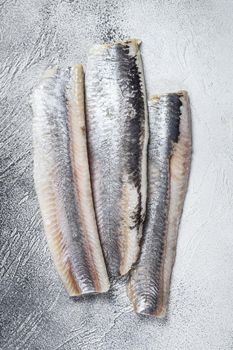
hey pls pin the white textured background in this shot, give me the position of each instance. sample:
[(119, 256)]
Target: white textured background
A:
[(187, 44)]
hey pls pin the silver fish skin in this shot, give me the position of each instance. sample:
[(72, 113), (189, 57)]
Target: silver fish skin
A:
[(117, 129), (62, 181), (169, 156)]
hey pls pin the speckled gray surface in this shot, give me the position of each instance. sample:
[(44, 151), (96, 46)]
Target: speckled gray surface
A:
[(186, 44)]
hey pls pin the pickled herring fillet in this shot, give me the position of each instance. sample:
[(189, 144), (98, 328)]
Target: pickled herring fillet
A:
[(169, 155), (62, 181), (117, 129)]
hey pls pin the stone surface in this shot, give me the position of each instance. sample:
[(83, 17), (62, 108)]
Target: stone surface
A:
[(187, 44)]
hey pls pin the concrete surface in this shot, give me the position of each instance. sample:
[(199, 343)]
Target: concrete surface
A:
[(187, 44)]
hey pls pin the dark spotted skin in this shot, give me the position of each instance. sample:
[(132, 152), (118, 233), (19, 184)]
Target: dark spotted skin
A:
[(117, 141), (146, 285)]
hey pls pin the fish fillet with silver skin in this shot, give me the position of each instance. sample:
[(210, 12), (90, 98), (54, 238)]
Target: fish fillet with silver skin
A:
[(62, 181), (117, 129), (169, 155)]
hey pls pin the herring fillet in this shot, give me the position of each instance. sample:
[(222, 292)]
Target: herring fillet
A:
[(169, 156), (117, 130), (62, 181)]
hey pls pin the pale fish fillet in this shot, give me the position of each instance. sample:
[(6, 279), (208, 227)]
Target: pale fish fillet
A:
[(117, 129), (62, 181), (169, 155)]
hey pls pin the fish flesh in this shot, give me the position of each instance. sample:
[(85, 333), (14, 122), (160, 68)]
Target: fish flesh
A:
[(169, 156), (117, 130), (62, 180)]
